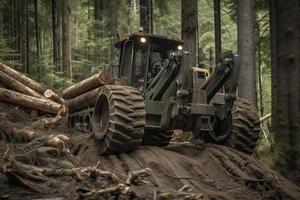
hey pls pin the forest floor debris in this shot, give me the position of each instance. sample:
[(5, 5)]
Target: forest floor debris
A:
[(32, 169)]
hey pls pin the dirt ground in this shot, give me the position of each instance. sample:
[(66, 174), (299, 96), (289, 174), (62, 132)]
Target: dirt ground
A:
[(179, 171)]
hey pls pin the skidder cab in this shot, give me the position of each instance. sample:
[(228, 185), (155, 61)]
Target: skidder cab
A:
[(164, 93)]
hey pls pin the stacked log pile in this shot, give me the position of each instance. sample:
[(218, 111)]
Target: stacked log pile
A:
[(85, 93), (21, 90)]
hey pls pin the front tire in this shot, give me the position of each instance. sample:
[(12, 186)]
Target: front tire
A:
[(119, 119)]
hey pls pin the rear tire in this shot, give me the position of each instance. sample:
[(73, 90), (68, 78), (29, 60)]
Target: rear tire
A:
[(157, 138), (245, 127), (119, 119)]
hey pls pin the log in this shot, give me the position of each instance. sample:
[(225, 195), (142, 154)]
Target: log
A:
[(39, 88), (18, 86), (117, 82), (32, 102), (84, 100), (95, 81), (2, 84), (13, 130), (52, 95)]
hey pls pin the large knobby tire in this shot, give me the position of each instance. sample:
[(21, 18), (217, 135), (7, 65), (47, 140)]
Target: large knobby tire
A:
[(157, 138), (119, 119), (245, 127)]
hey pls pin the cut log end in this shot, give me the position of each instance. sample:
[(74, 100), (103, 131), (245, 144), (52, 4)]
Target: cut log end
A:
[(49, 93)]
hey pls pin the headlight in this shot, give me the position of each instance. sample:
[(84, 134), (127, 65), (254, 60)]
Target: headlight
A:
[(179, 47), (143, 40)]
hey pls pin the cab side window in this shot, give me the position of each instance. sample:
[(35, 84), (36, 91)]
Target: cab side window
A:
[(127, 59)]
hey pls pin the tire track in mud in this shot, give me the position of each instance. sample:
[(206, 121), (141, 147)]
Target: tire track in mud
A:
[(216, 171)]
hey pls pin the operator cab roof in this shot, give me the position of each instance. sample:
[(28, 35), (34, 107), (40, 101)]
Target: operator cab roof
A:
[(152, 37)]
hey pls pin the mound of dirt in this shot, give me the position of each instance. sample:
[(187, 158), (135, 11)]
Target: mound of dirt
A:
[(179, 171), (216, 172)]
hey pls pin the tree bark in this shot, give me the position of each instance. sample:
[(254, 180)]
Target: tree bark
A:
[(189, 23), (146, 15), (114, 32), (31, 102), (246, 50), (23, 79), (18, 86), (66, 35), (24, 37), (37, 38), (285, 46), (97, 10), (84, 100), (100, 79), (26, 81), (128, 19), (1, 19), (55, 35), (218, 37), (98, 15)]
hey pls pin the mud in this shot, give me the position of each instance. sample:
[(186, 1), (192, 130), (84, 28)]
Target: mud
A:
[(179, 171)]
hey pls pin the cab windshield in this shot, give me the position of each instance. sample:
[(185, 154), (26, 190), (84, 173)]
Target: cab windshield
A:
[(143, 75)]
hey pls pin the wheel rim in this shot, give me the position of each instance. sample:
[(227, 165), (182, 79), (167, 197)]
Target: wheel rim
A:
[(101, 117)]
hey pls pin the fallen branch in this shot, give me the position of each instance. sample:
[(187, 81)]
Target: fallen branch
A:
[(58, 141), (266, 117), (134, 175), (12, 132), (42, 122), (78, 172), (120, 188)]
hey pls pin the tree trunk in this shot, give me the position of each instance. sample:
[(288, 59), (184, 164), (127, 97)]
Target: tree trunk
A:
[(260, 75), (146, 15), (100, 79), (128, 19), (12, 26), (218, 37), (24, 37), (37, 38), (31, 102), (114, 32), (246, 50), (285, 34), (1, 19), (55, 34), (189, 23), (97, 10), (66, 35), (98, 13)]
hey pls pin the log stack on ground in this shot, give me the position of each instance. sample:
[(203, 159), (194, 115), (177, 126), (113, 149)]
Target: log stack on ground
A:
[(26, 92), (85, 93)]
